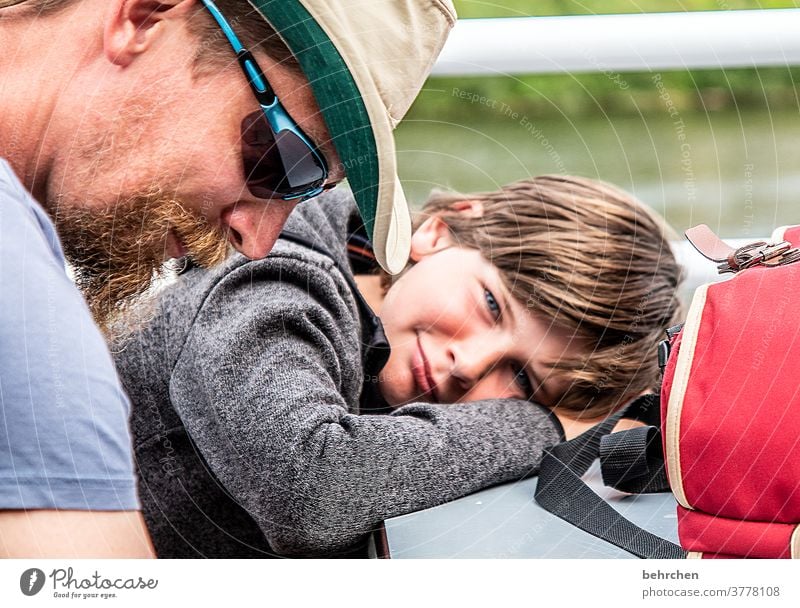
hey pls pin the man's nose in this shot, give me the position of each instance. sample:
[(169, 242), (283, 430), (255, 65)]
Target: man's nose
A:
[(253, 227)]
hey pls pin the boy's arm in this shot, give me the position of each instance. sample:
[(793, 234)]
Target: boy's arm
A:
[(259, 388)]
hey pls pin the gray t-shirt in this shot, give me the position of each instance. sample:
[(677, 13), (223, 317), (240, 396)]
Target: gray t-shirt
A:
[(64, 439), (249, 432)]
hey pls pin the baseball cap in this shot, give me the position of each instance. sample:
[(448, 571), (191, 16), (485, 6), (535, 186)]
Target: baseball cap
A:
[(365, 61)]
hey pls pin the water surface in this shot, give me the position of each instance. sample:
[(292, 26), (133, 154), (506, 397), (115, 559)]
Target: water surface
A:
[(738, 172)]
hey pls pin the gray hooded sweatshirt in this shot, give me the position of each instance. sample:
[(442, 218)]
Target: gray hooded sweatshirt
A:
[(251, 437)]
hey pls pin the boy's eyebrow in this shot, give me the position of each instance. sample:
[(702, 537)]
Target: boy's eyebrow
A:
[(538, 383), (508, 308), (508, 300), (541, 389)]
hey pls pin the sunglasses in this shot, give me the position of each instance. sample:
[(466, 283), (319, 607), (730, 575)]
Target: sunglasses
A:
[(278, 159)]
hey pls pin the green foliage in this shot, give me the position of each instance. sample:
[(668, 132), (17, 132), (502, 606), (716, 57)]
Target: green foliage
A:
[(609, 93), (459, 98), (468, 9)]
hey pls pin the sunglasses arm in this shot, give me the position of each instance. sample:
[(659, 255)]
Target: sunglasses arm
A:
[(264, 93)]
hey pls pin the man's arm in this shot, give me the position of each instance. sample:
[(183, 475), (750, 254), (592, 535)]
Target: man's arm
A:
[(73, 534), (67, 485)]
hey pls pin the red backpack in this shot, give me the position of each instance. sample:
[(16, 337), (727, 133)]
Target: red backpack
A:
[(729, 440)]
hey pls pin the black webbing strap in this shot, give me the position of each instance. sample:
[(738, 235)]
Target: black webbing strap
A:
[(562, 492), (633, 461)]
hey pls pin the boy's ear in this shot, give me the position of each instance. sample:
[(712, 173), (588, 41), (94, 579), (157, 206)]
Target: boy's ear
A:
[(432, 236), (132, 26), (470, 208)]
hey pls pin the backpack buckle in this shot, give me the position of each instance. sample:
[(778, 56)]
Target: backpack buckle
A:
[(730, 260), (754, 254)]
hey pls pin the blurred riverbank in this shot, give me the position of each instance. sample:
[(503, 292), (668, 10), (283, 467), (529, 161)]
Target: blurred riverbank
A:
[(736, 170)]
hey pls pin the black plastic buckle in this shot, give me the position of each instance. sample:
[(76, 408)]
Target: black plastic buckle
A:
[(665, 346)]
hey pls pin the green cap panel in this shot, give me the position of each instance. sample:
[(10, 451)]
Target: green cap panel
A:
[(337, 96)]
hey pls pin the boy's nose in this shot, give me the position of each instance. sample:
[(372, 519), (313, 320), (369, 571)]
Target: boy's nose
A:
[(473, 360)]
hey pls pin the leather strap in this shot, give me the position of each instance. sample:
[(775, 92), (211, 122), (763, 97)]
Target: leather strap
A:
[(709, 244)]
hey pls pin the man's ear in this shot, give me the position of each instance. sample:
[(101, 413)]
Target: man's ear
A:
[(132, 26)]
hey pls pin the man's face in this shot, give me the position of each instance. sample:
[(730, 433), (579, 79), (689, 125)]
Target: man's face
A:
[(151, 167)]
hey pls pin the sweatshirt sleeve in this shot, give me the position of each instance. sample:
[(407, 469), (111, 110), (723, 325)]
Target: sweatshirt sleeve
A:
[(259, 386)]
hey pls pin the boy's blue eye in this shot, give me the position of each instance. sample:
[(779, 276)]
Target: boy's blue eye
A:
[(491, 302), (523, 381)]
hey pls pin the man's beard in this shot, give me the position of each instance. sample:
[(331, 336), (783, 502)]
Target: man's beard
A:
[(117, 252)]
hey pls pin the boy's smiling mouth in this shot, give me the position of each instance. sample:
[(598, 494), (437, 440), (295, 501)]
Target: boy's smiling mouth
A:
[(420, 368)]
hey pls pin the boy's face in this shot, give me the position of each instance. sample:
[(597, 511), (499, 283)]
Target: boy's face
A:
[(457, 334)]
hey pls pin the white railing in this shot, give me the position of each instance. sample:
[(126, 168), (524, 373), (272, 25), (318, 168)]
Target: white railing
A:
[(620, 43), (599, 43)]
